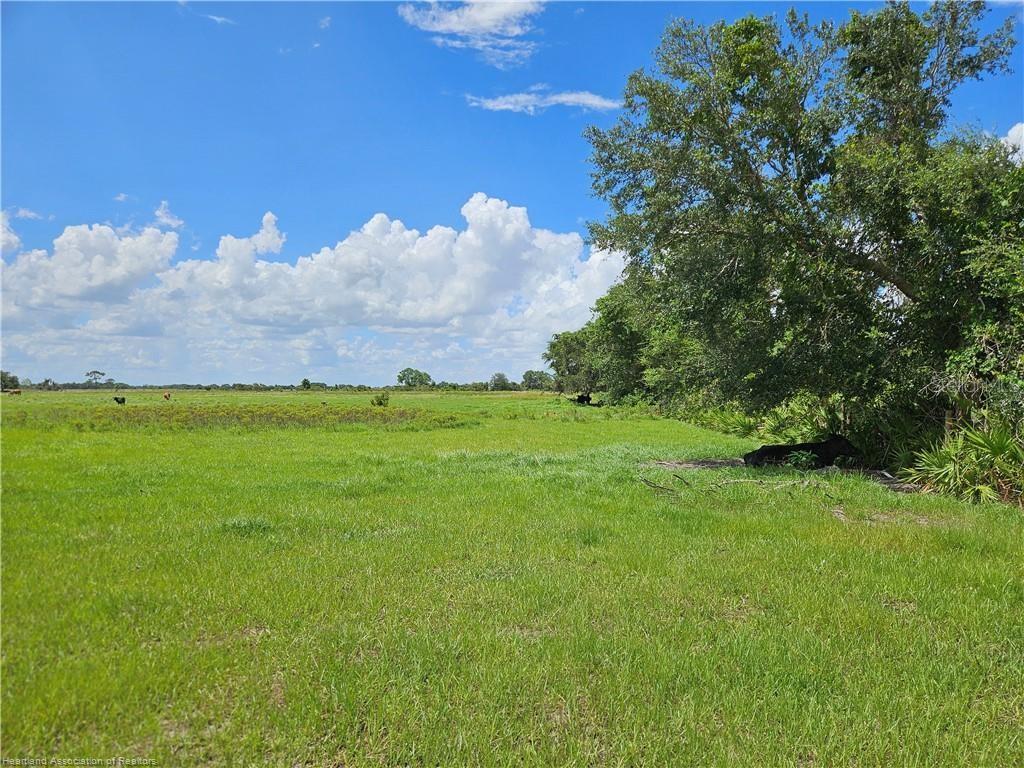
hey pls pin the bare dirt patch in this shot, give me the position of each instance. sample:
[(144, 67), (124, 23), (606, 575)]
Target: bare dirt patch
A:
[(738, 610), (277, 690), (882, 518), (530, 632), (899, 606)]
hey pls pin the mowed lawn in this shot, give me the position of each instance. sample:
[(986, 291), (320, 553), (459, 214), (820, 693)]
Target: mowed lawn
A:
[(494, 587)]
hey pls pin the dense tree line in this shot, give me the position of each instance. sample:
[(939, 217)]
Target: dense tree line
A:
[(411, 378), (408, 378), (801, 220)]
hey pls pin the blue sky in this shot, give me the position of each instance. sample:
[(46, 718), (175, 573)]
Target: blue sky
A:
[(137, 135)]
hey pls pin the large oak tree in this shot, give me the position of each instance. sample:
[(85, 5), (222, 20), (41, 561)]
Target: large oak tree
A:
[(793, 199)]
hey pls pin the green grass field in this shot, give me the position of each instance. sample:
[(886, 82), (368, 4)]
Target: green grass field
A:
[(240, 579)]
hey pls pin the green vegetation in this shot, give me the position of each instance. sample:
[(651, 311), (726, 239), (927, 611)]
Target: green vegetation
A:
[(802, 222), (421, 576), (180, 415), (410, 377), (975, 464), (499, 382), (484, 580), (538, 380)]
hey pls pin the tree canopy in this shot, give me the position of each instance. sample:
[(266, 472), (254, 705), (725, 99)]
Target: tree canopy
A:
[(798, 215), (537, 380), (499, 382), (410, 377)]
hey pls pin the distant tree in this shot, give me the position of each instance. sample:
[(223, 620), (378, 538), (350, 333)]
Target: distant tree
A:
[(500, 383), (8, 380), (538, 380), (571, 355), (410, 377), (109, 382), (94, 377), (306, 384)]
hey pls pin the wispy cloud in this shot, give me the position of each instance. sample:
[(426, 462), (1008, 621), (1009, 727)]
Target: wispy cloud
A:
[(537, 99), (324, 23), (25, 213), (494, 30), (120, 197), (9, 240), (166, 218), (219, 19)]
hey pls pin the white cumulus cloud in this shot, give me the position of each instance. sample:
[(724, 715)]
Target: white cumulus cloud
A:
[(25, 213), (88, 263), (493, 29), (537, 99), (463, 302)]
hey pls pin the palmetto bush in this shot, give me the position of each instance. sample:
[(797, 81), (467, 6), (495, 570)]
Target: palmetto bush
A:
[(980, 463), (731, 422)]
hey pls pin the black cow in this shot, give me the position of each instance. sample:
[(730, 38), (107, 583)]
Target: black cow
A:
[(825, 453), (583, 399), (119, 400)]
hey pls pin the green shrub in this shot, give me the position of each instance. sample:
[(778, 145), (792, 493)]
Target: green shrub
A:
[(804, 418), (381, 399), (802, 460), (730, 422), (973, 464)]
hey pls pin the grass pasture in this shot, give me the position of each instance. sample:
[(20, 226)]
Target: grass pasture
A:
[(478, 579)]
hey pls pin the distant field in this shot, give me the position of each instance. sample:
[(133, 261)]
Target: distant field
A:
[(482, 579)]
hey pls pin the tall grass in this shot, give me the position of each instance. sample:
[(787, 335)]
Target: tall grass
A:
[(507, 593)]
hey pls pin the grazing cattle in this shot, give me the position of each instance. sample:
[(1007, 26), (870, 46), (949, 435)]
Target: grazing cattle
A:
[(14, 391), (119, 400), (825, 453), (167, 395), (583, 399)]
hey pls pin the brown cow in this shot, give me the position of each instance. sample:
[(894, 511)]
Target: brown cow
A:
[(14, 391), (167, 395)]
